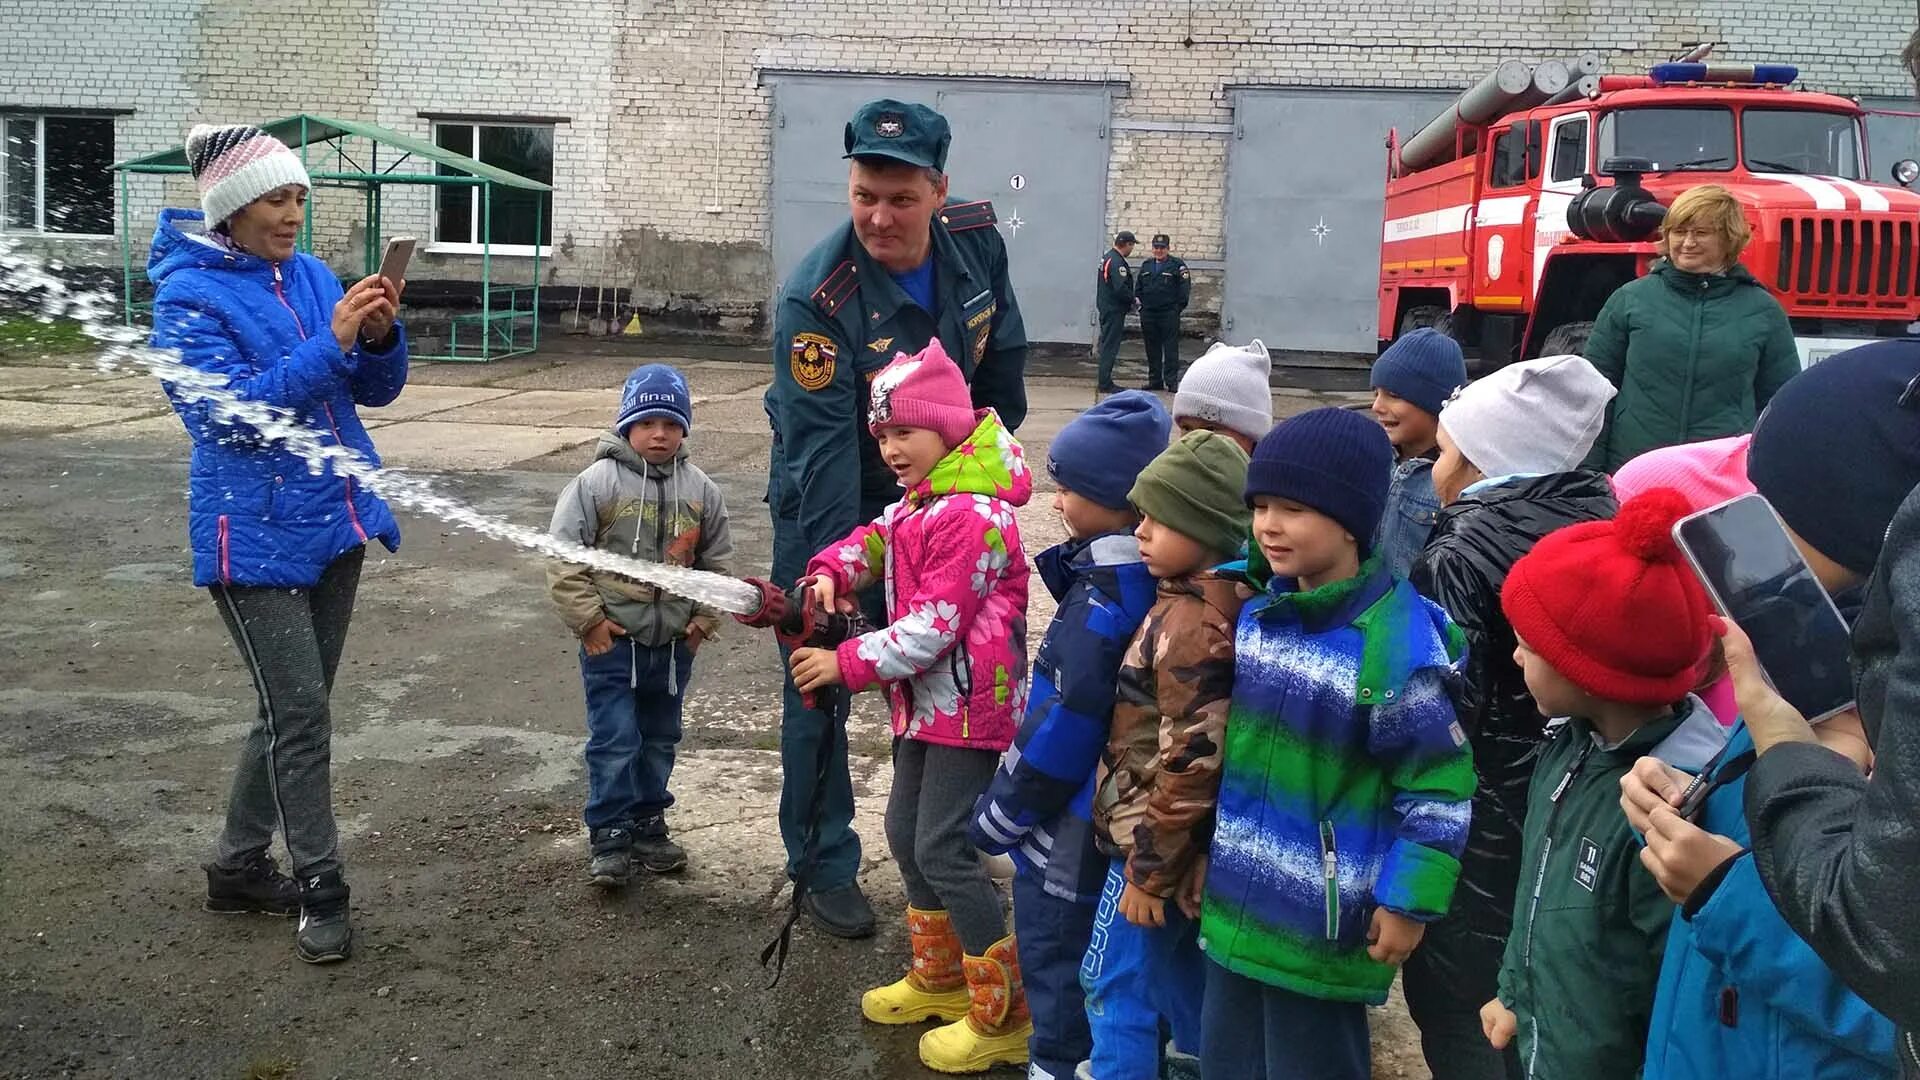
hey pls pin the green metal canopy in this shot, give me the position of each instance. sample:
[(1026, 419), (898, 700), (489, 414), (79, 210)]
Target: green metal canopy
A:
[(305, 128), (332, 159)]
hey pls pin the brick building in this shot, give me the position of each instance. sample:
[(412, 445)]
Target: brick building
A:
[(660, 123)]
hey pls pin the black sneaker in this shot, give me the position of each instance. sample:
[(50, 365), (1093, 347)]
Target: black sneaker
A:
[(842, 912), (325, 936), (1155, 387), (654, 851), (256, 886), (612, 862), (1106, 388)]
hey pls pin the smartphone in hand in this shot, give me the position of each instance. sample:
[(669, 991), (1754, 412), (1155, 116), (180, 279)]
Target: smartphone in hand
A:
[(1758, 579), (393, 265)]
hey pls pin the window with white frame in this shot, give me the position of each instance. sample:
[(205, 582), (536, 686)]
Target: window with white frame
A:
[(56, 174), (517, 219)]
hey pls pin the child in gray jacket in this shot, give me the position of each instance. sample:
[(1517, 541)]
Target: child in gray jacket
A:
[(640, 497)]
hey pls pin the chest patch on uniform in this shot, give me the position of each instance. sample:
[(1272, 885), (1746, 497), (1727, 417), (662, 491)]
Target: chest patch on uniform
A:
[(880, 346), (813, 356), (1586, 870), (980, 325)]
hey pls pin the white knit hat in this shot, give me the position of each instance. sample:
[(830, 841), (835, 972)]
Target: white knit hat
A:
[(1537, 416), (1229, 385), (237, 164)]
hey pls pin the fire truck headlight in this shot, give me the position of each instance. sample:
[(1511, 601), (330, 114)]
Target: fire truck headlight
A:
[(1906, 171)]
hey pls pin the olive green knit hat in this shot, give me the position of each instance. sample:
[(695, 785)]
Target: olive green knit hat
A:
[(1197, 487)]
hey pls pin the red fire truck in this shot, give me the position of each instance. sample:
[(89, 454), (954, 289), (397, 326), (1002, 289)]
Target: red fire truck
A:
[(1514, 215)]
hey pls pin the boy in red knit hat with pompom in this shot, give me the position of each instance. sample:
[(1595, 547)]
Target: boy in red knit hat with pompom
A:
[(1614, 634)]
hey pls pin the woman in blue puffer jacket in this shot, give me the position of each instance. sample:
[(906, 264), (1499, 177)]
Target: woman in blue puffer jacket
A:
[(278, 547)]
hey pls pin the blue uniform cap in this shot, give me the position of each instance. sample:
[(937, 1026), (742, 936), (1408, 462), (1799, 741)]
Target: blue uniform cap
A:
[(900, 131)]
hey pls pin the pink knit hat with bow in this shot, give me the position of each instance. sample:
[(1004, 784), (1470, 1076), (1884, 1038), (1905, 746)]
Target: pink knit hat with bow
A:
[(924, 390), (1707, 473)]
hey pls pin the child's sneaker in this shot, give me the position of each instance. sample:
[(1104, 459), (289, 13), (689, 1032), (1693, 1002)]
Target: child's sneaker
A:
[(657, 854), (257, 885), (612, 861)]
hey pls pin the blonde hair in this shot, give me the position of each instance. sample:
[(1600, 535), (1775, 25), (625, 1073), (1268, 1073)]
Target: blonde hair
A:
[(1712, 207)]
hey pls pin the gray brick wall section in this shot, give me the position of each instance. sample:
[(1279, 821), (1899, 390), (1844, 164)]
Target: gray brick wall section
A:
[(667, 120)]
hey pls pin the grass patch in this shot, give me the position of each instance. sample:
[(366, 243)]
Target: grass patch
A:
[(24, 335), (270, 1068)]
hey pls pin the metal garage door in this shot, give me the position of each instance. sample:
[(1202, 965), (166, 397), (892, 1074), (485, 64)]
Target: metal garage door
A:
[(1890, 138), (1305, 193), (1038, 150)]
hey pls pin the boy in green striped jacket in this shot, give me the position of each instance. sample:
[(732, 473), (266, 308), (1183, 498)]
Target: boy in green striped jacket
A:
[(1346, 782)]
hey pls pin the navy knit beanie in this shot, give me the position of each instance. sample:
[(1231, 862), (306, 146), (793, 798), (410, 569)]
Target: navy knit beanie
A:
[(655, 390), (1100, 453), (1423, 367), (1336, 461), (1836, 452)]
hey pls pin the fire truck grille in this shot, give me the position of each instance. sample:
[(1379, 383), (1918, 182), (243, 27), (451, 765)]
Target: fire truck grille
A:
[(1849, 259)]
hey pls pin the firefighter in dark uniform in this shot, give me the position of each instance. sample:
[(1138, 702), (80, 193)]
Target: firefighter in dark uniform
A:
[(1163, 287), (908, 267), (1113, 298)]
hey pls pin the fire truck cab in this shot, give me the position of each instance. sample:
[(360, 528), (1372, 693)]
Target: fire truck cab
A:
[(1481, 242)]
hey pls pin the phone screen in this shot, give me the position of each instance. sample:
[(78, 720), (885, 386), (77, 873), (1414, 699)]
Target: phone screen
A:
[(1759, 580), (393, 266)]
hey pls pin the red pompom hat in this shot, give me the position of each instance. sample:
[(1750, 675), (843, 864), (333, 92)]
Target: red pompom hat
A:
[(1613, 605)]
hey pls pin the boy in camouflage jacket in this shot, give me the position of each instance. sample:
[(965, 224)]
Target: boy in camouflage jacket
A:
[(1154, 796)]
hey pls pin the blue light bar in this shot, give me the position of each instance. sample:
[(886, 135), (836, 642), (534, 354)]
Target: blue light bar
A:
[(1755, 74)]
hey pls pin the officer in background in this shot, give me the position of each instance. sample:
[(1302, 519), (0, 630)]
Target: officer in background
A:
[(1163, 286), (1113, 298), (909, 266)]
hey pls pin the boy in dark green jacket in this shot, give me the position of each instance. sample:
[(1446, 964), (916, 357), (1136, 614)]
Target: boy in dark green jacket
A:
[(1613, 630)]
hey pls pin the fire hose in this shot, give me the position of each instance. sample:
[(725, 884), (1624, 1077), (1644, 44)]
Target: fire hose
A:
[(799, 623)]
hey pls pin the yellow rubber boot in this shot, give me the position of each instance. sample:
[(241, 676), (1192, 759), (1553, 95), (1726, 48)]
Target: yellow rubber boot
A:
[(936, 988), (997, 1025)]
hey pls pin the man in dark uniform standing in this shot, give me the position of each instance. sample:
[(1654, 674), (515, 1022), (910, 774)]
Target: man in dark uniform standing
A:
[(908, 267), (1113, 298), (1163, 286)]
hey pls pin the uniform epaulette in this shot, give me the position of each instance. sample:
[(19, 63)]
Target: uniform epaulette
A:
[(967, 215), (842, 283)]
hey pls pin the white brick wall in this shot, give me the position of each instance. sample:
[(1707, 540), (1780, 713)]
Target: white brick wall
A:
[(667, 116)]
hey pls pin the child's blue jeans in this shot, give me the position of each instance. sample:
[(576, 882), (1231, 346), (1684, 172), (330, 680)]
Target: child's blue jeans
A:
[(1052, 935), (1135, 976), (634, 695)]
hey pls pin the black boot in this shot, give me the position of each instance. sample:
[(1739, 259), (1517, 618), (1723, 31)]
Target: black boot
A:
[(842, 912), (655, 852), (325, 935), (612, 862), (255, 886)]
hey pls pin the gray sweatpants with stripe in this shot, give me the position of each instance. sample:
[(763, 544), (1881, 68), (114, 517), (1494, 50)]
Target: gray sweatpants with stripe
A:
[(290, 640)]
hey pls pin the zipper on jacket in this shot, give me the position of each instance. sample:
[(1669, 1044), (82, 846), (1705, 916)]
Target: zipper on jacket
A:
[(283, 302), (1330, 877), (660, 549), (1539, 882), (352, 514), (226, 566)]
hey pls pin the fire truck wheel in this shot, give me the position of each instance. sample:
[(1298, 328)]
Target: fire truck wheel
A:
[(1567, 338), (1426, 315)]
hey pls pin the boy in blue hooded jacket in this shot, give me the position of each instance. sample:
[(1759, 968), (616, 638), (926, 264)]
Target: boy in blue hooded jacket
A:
[(1039, 807)]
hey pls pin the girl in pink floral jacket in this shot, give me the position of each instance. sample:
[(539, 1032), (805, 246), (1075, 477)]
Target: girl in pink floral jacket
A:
[(954, 663)]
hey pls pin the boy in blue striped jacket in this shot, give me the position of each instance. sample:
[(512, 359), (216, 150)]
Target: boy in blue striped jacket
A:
[(1039, 807), (1346, 779)]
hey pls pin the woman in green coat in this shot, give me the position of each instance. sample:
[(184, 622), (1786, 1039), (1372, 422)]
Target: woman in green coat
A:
[(1698, 346)]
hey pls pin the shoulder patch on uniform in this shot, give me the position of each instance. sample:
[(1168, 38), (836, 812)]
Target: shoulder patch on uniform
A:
[(968, 215), (832, 293), (812, 358)]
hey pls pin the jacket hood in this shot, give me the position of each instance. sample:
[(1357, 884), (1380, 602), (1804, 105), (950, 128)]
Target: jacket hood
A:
[(1578, 484), (614, 445), (1063, 564), (990, 462), (181, 241)]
